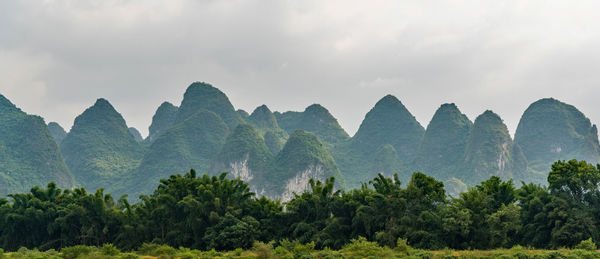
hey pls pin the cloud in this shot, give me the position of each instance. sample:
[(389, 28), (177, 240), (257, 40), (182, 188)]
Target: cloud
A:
[(58, 56)]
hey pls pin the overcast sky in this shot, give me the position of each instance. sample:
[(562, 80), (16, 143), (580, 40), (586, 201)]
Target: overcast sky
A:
[(58, 57)]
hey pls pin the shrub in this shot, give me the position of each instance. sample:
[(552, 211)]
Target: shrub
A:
[(109, 249), (263, 250), (402, 246), (129, 256), (361, 248), (157, 250), (75, 251), (305, 250), (587, 244), (238, 251)]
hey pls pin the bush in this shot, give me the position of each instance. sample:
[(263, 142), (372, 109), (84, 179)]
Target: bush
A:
[(262, 250), (109, 249), (238, 251), (402, 246), (129, 256), (157, 250), (75, 251), (361, 248), (587, 244), (302, 251)]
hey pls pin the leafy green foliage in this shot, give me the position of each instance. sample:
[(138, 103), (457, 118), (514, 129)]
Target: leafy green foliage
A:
[(99, 147), (29, 155), (551, 130), (380, 219)]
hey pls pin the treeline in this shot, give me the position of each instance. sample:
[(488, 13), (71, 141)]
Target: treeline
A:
[(214, 212)]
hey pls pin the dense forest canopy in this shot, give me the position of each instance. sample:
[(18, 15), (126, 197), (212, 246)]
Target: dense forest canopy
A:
[(216, 212)]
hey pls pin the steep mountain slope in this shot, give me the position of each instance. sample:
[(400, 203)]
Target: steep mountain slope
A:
[(442, 149), (265, 122), (315, 119), (389, 122), (244, 155), (57, 132), (136, 134), (203, 96), (303, 157), (29, 155), (99, 148), (386, 142), (551, 130), (490, 151), (192, 143), (162, 120)]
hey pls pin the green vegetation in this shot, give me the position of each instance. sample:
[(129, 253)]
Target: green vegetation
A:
[(57, 132), (303, 157), (99, 149), (29, 154), (162, 120), (136, 134), (264, 120), (381, 219), (315, 119), (203, 96), (443, 147), (192, 143), (491, 151), (550, 130), (388, 123), (244, 155)]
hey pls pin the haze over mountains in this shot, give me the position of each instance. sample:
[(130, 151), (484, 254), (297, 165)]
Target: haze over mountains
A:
[(278, 152)]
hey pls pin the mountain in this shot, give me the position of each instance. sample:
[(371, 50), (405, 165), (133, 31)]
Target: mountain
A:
[(192, 143), (303, 157), (389, 122), (244, 155), (550, 130), (29, 155), (57, 132), (163, 118), (491, 151), (99, 148), (443, 147), (386, 142), (315, 119), (243, 114), (264, 120), (136, 134), (203, 96)]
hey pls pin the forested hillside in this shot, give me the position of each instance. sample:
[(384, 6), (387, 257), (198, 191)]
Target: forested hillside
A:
[(215, 212), (276, 152)]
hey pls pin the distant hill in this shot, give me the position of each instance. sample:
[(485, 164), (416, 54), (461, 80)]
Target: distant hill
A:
[(491, 151), (162, 120), (551, 130), (192, 143), (442, 150), (277, 152), (57, 132), (315, 119), (99, 149), (303, 157), (29, 154), (244, 155)]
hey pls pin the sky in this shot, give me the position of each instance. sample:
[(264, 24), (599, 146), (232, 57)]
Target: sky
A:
[(58, 56)]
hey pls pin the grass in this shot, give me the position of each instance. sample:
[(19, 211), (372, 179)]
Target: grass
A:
[(357, 249)]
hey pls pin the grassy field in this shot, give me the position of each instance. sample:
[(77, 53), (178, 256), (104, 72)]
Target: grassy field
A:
[(357, 249)]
